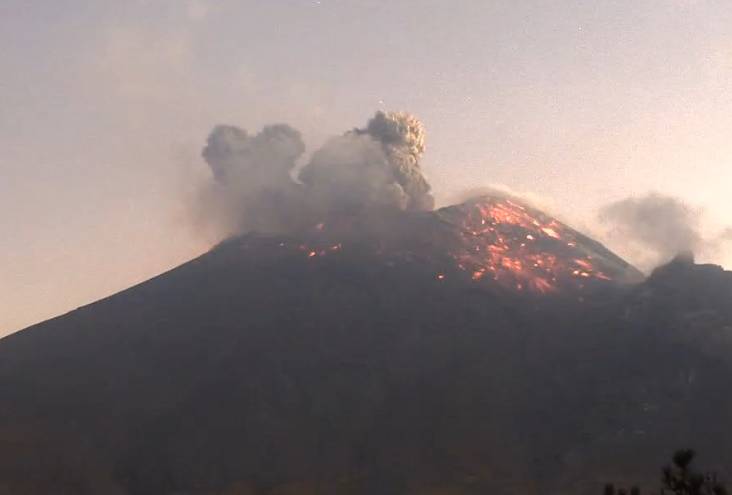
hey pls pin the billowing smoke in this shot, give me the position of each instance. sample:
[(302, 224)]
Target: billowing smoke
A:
[(402, 137), (252, 188), (655, 228), (261, 161), (374, 168)]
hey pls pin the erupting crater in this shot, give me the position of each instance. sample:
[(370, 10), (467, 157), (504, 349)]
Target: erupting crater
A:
[(503, 240), (491, 240)]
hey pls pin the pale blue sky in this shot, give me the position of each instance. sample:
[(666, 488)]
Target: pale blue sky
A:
[(104, 106)]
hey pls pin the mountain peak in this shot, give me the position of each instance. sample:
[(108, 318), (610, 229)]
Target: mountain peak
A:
[(489, 240)]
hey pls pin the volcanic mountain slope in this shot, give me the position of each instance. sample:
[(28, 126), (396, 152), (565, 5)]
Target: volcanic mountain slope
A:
[(412, 353), (494, 239)]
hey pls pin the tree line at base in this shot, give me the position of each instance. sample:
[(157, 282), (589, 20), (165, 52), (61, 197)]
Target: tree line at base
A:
[(679, 478)]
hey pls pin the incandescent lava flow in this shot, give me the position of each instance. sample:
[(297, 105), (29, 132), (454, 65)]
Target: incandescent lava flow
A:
[(503, 240), (492, 240)]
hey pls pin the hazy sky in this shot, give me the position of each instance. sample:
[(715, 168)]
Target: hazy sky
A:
[(105, 104)]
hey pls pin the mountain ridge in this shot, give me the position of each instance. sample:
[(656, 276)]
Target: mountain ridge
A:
[(262, 368)]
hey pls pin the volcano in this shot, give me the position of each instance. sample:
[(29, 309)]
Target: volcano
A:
[(480, 348), (494, 240)]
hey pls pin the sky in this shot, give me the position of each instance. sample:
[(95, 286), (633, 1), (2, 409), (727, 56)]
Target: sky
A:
[(106, 104)]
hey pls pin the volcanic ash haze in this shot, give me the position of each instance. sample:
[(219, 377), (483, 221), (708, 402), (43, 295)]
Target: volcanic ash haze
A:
[(349, 339), (367, 184), (655, 228), (408, 353), (377, 167)]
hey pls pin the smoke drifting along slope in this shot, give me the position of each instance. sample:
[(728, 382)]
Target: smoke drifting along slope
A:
[(658, 228), (375, 167)]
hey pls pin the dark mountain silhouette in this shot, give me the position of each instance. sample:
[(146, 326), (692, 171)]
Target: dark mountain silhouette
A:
[(482, 348)]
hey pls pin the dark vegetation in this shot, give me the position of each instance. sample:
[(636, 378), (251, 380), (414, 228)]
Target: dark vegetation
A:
[(679, 478)]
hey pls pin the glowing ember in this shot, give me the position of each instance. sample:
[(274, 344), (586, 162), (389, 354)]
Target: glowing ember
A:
[(508, 243), (317, 251), (491, 240)]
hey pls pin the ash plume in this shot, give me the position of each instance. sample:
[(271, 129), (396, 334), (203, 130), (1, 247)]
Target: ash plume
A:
[(658, 228), (252, 188), (377, 167), (402, 137), (257, 161)]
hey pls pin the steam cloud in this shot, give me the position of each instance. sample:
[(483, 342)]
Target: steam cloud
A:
[(377, 167), (659, 228)]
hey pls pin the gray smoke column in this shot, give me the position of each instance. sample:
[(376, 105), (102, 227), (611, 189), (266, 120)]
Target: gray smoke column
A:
[(662, 226), (369, 169), (252, 187), (264, 160), (375, 166), (403, 138)]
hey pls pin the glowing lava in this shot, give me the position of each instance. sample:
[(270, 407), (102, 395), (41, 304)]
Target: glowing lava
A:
[(520, 248), (311, 252), (492, 240)]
